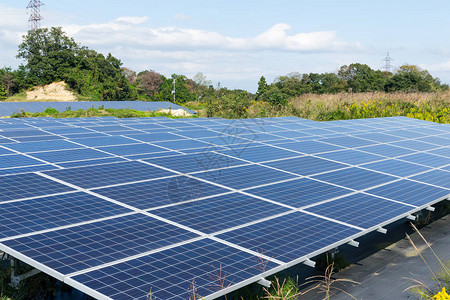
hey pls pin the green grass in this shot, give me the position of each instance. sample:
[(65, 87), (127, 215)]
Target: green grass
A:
[(94, 112)]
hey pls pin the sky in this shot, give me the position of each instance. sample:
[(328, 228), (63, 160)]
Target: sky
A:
[(234, 43)]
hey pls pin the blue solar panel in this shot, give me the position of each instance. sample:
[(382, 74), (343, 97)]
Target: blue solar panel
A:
[(260, 154), (196, 162), (299, 192), (352, 157), (5, 151), (28, 185), (22, 133), (355, 178), (306, 165), (396, 167), (17, 160), (298, 233), (265, 157), (27, 169), (77, 248), (415, 145), (134, 149), (378, 137), (441, 151), (360, 210), (23, 217), (223, 212), (70, 155), (150, 194), (410, 192), (169, 274), (42, 146), (109, 174), (435, 177), (387, 150), (309, 147), (38, 138), (244, 177), (426, 159), (104, 141), (182, 144), (348, 141), (155, 137), (91, 162), (5, 141)]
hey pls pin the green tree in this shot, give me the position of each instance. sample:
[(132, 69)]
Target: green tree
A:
[(262, 87), (3, 94), (275, 97), (49, 55), (410, 78)]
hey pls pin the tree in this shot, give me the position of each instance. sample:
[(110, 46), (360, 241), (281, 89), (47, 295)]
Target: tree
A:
[(49, 55), (410, 78), (262, 87), (149, 83), (201, 84), (3, 94), (275, 97), (129, 74)]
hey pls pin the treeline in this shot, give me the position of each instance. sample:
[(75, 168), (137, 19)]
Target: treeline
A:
[(50, 55), (353, 78)]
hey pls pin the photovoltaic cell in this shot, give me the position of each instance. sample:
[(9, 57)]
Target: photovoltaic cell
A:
[(223, 212), (410, 192), (18, 160), (355, 178), (299, 192), (352, 157), (306, 165), (169, 273), (396, 167), (28, 185), (360, 210), (49, 212), (70, 155), (168, 191), (426, 159), (435, 177), (189, 163), (299, 233), (42, 146), (244, 177), (110, 174), (77, 248)]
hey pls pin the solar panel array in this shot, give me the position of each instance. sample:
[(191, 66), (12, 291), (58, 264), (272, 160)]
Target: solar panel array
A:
[(119, 207), (9, 108)]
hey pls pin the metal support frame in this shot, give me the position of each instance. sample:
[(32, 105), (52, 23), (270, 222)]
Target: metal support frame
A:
[(264, 282), (16, 279), (310, 263), (430, 208), (353, 243), (411, 217), (382, 230)]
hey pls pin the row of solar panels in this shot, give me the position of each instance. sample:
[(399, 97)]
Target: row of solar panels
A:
[(9, 108), (116, 207)]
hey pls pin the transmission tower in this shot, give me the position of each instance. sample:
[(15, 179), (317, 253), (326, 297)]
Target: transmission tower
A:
[(387, 63), (34, 9)]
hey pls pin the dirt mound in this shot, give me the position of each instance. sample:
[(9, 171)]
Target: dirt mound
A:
[(56, 91), (176, 112)]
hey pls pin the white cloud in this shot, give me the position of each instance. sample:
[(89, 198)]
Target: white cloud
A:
[(237, 62), (129, 31), (442, 67)]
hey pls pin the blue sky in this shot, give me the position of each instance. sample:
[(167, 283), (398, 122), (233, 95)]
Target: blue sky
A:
[(236, 42)]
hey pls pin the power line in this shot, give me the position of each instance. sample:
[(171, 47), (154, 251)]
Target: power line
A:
[(387, 60), (34, 9)]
